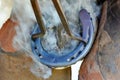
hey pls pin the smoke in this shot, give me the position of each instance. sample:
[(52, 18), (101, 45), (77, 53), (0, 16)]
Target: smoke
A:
[(51, 41), (23, 13)]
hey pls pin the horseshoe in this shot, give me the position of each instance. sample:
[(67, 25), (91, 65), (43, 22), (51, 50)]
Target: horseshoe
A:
[(55, 61)]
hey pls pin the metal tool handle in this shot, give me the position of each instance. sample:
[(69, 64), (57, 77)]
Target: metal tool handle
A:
[(36, 8), (38, 15)]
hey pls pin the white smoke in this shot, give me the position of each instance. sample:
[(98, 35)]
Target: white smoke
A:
[(71, 9), (23, 13)]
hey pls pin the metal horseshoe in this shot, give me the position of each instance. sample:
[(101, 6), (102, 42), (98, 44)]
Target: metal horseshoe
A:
[(80, 52)]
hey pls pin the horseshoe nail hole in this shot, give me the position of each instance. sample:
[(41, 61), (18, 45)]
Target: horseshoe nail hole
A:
[(35, 47), (40, 56), (70, 59)]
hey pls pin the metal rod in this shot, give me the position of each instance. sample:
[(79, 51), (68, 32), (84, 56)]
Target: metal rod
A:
[(62, 16), (64, 20), (38, 15)]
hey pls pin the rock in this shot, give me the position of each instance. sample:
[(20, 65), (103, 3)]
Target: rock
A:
[(103, 64), (7, 33)]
